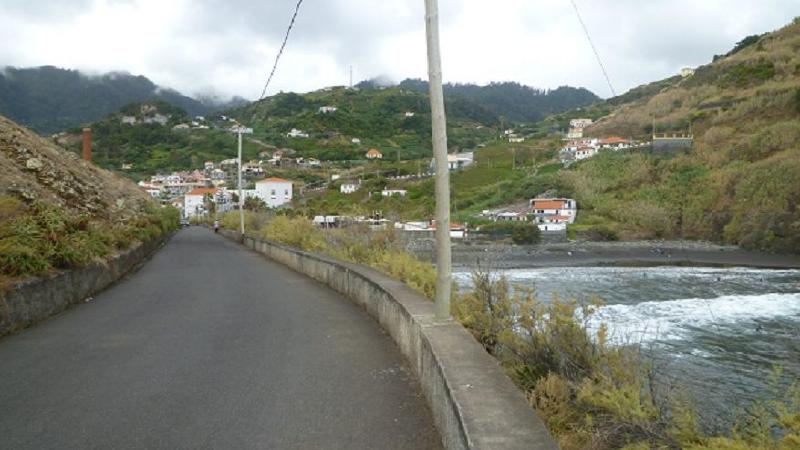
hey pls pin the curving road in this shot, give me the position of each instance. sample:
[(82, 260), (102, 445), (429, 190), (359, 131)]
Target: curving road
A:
[(210, 346)]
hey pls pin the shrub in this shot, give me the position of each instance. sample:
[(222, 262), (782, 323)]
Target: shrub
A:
[(40, 237), (296, 232), (594, 395), (526, 234)]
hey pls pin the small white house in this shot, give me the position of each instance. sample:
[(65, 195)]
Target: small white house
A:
[(516, 140), (295, 133), (409, 114), (356, 141), (194, 201), (349, 188), (327, 109), (274, 192), (393, 192), (584, 152)]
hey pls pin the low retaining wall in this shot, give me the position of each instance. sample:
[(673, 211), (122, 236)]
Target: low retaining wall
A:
[(38, 299), (475, 405)]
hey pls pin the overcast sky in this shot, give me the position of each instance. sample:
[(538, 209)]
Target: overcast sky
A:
[(228, 46)]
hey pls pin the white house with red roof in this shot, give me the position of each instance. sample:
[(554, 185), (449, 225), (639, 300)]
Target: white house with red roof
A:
[(275, 192), (553, 214), (614, 143), (374, 153)]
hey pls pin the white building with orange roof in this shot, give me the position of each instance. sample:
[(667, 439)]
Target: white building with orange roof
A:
[(614, 143), (194, 202), (275, 192), (553, 214), (374, 154)]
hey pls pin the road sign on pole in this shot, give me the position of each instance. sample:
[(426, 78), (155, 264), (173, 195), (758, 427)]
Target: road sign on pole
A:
[(240, 130)]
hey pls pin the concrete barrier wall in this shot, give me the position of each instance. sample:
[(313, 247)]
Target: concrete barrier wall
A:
[(38, 299), (475, 405)]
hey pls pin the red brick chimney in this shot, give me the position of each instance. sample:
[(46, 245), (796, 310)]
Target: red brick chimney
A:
[(87, 144)]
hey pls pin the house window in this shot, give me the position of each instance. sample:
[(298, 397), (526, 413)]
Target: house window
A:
[(286, 192), (273, 192)]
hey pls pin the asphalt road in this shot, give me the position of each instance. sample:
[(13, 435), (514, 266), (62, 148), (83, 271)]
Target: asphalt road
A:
[(210, 346)]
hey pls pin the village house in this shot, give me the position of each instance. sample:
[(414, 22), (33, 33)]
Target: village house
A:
[(374, 154), (409, 114), (356, 141), (157, 118), (576, 128), (585, 151), (393, 192), (194, 202), (349, 188), (327, 109), (275, 192), (455, 161), (295, 133), (128, 120), (553, 214), (252, 168), (614, 143), (516, 139)]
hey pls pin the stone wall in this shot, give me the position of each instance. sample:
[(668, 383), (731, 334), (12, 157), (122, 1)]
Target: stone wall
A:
[(37, 299), (475, 405)]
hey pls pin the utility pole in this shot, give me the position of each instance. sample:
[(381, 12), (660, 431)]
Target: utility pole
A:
[(241, 130), (439, 135)]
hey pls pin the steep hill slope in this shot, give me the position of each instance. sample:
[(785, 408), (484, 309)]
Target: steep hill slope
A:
[(141, 136), (397, 121), (48, 99), (739, 183), (57, 211)]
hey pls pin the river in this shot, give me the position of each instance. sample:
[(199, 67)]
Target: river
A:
[(717, 331)]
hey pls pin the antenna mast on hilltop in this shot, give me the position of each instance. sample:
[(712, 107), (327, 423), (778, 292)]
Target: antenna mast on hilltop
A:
[(351, 77)]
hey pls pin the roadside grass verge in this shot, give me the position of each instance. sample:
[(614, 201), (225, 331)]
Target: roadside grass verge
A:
[(37, 238)]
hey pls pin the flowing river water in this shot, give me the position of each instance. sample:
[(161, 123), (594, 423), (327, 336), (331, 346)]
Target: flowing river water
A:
[(717, 331)]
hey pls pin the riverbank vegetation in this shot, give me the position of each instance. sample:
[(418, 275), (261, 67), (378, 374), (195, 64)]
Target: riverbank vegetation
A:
[(591, 394)]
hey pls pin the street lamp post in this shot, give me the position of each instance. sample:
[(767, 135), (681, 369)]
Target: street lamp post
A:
[(240, 130), (439, 138)]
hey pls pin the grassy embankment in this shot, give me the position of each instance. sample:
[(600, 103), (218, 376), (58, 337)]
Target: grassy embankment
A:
[(591, 395), (36, 239)]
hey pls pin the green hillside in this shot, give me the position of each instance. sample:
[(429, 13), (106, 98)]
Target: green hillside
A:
[(151, 148), (739, 184), (377, 117), (49, 99)]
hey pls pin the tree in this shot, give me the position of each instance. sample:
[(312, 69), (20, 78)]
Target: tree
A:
[(254, 204)]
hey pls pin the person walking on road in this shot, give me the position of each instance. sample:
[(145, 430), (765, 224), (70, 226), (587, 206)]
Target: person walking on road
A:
[(216, 226)]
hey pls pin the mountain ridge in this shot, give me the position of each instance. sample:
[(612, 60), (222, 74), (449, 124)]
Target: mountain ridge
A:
[(49, 99)]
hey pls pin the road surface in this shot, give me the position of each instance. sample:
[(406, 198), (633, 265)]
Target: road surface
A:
[(210, 346)]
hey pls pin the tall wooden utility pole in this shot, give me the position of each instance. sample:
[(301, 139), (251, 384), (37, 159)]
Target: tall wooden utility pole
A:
[(443, 257)]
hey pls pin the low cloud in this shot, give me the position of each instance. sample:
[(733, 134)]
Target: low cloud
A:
[(228, 46)]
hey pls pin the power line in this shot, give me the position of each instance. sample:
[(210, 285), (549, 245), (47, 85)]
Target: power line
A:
[(596, 54), (280, 52)]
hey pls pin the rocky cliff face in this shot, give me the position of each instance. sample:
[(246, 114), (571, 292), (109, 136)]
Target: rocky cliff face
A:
[(34, 169)]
